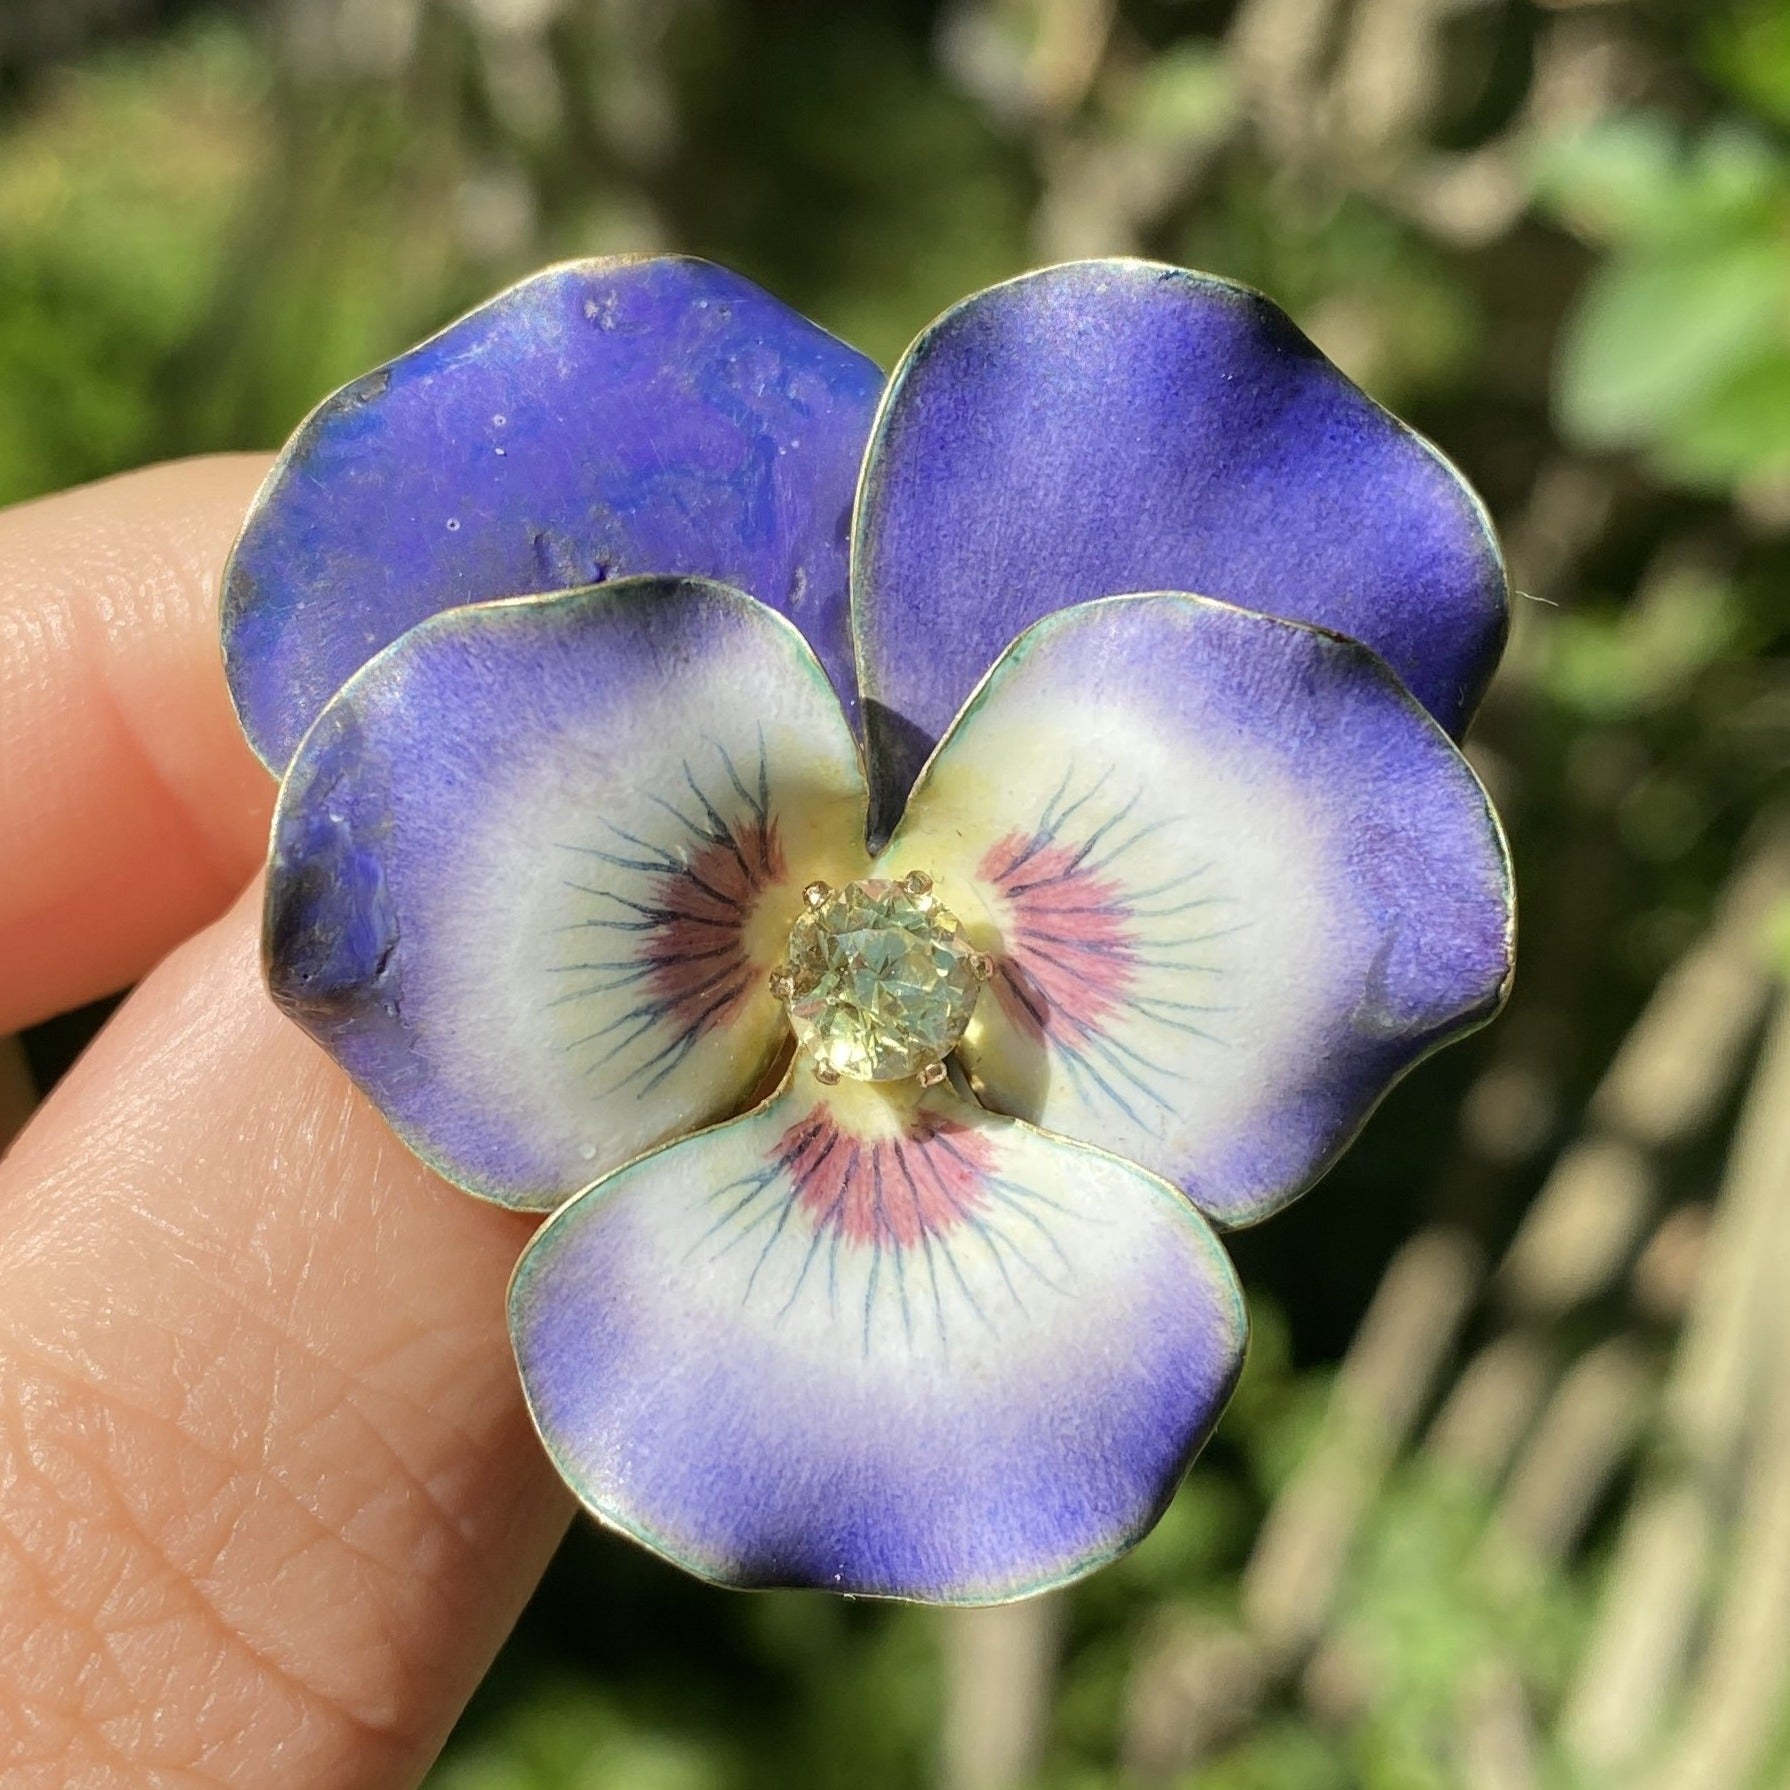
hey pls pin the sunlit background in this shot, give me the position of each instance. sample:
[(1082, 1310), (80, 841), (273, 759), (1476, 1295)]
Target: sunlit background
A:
[(1504, 1501)]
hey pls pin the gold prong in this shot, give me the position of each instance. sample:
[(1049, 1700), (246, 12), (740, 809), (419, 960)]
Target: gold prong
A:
[(932, 1075), (917, 882), (783, 984), (981, 965), (825, 1074), (815, 894)]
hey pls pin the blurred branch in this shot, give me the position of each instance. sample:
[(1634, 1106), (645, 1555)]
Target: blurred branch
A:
[(1584, 1433), (1278, 48), (1197, 1684), (1199, 1681), (1290, 1583), (1497, 1746), (1735, 1367), (1389, 75), (1489, 1409), (999, 1666), (1561, 1445), (1727, 1369), (1677, 1062)]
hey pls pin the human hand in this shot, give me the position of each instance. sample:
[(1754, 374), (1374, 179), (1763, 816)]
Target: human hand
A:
[(268, 1494)]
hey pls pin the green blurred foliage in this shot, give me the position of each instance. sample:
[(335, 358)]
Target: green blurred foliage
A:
[(1433, 1603), (118, 191), (1680, 344), (210, 219), (1628, 660)]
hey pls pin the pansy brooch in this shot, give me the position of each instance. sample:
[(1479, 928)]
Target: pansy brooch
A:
[(895, 867)]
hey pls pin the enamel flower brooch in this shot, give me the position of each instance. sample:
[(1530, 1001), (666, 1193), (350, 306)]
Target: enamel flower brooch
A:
[(894, 867)]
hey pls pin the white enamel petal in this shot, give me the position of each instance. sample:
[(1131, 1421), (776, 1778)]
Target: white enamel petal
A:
[(1235, 879), (878, 1342), (533, 864)]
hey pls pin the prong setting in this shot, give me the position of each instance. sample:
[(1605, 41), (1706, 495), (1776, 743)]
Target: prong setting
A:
[(879, 980)]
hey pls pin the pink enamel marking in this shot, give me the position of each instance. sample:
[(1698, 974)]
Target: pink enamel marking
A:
[(1069, 950), (893, 1190), (699, 969)]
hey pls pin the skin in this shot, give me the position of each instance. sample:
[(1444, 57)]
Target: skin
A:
[(269, 1499)]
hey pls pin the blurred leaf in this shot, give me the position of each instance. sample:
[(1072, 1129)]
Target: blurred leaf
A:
[(1614, 181), (567, 1737), (1748, 50), (1280, 1755), (1630, 181), (1679, 344), (1655, 334), (1612, 664), (1184, 96), (119, 192), (1428, 1607), (1740, 432)]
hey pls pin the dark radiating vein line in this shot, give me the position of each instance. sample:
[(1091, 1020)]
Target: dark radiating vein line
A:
[(944, 1239)]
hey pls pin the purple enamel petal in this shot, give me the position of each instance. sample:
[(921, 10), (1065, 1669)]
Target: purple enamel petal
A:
[(935, 1355), (603, 418), (1113, 426), (528, 864)]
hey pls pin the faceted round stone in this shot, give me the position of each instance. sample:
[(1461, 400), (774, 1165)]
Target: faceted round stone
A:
[(881, 981)]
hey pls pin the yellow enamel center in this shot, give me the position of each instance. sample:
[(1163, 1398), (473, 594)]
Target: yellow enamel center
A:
[(880, 981)]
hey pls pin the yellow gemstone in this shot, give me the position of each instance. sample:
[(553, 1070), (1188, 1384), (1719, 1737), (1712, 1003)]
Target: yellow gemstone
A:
[(881, 980)]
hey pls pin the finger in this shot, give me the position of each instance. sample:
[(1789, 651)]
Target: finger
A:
[(268, 1495), (131, 809)]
